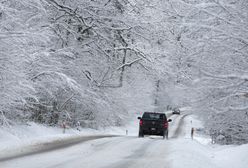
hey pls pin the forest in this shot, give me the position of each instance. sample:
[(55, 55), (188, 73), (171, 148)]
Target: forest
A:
[(99, 61)]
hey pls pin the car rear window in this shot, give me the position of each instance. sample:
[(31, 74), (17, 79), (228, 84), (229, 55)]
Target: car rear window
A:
[(153, 116)]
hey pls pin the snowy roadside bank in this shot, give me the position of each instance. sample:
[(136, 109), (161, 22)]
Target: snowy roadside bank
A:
[(177, 152), (39, 147), (200, 153), (26, 138), (34, 138)]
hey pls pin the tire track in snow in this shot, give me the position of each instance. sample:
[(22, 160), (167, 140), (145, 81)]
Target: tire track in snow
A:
[(179, 128), (154, 149), (47, 146), (148, 155)]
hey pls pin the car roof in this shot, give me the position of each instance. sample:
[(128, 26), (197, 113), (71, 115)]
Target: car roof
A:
[(154, 112)]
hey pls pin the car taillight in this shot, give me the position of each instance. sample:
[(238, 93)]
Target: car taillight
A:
[(165, 124), (141, 122)]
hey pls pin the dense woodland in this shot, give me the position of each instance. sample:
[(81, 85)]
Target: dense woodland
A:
[(99, 61)]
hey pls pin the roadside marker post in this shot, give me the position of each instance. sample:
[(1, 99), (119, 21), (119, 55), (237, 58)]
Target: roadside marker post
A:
[(192, 133)]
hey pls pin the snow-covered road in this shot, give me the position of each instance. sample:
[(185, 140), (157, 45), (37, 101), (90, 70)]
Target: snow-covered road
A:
[(125, 151), (133, 152), (108, 152)]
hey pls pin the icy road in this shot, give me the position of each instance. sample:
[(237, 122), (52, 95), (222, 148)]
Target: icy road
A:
[(128, 152)]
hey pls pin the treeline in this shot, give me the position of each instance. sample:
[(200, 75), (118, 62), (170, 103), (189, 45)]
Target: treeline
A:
[(96, 61)]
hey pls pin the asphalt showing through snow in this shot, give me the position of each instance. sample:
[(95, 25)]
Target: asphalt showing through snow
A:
[(149, 152), (179, 128), (50, 146)]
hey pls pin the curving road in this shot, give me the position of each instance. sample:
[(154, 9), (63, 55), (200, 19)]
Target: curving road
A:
[(106, 152)]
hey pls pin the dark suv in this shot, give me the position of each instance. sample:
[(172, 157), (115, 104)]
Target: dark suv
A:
[(152, 123), (176, 111)]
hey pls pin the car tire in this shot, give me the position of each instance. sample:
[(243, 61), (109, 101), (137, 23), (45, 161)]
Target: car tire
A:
[(141, 134), (165, 134)]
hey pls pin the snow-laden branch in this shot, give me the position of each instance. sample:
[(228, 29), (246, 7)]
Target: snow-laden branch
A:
[(69, 11), (229, 76), (239, 108), (118, 28), (136, 50), (129, 63), (65, 102), (71, 83), (230, 35), (4, 120)]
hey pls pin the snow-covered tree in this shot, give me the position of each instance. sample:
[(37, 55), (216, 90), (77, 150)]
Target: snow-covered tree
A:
[(216, 39), (92, 61), (21, 38)]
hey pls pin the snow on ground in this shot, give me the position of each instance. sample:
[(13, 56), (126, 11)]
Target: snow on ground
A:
[(127, 151), (233, 156), (192, 121), (32, 137), (18, 138), (200, 153), (23, 135), (92, 154), (190, 153)]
